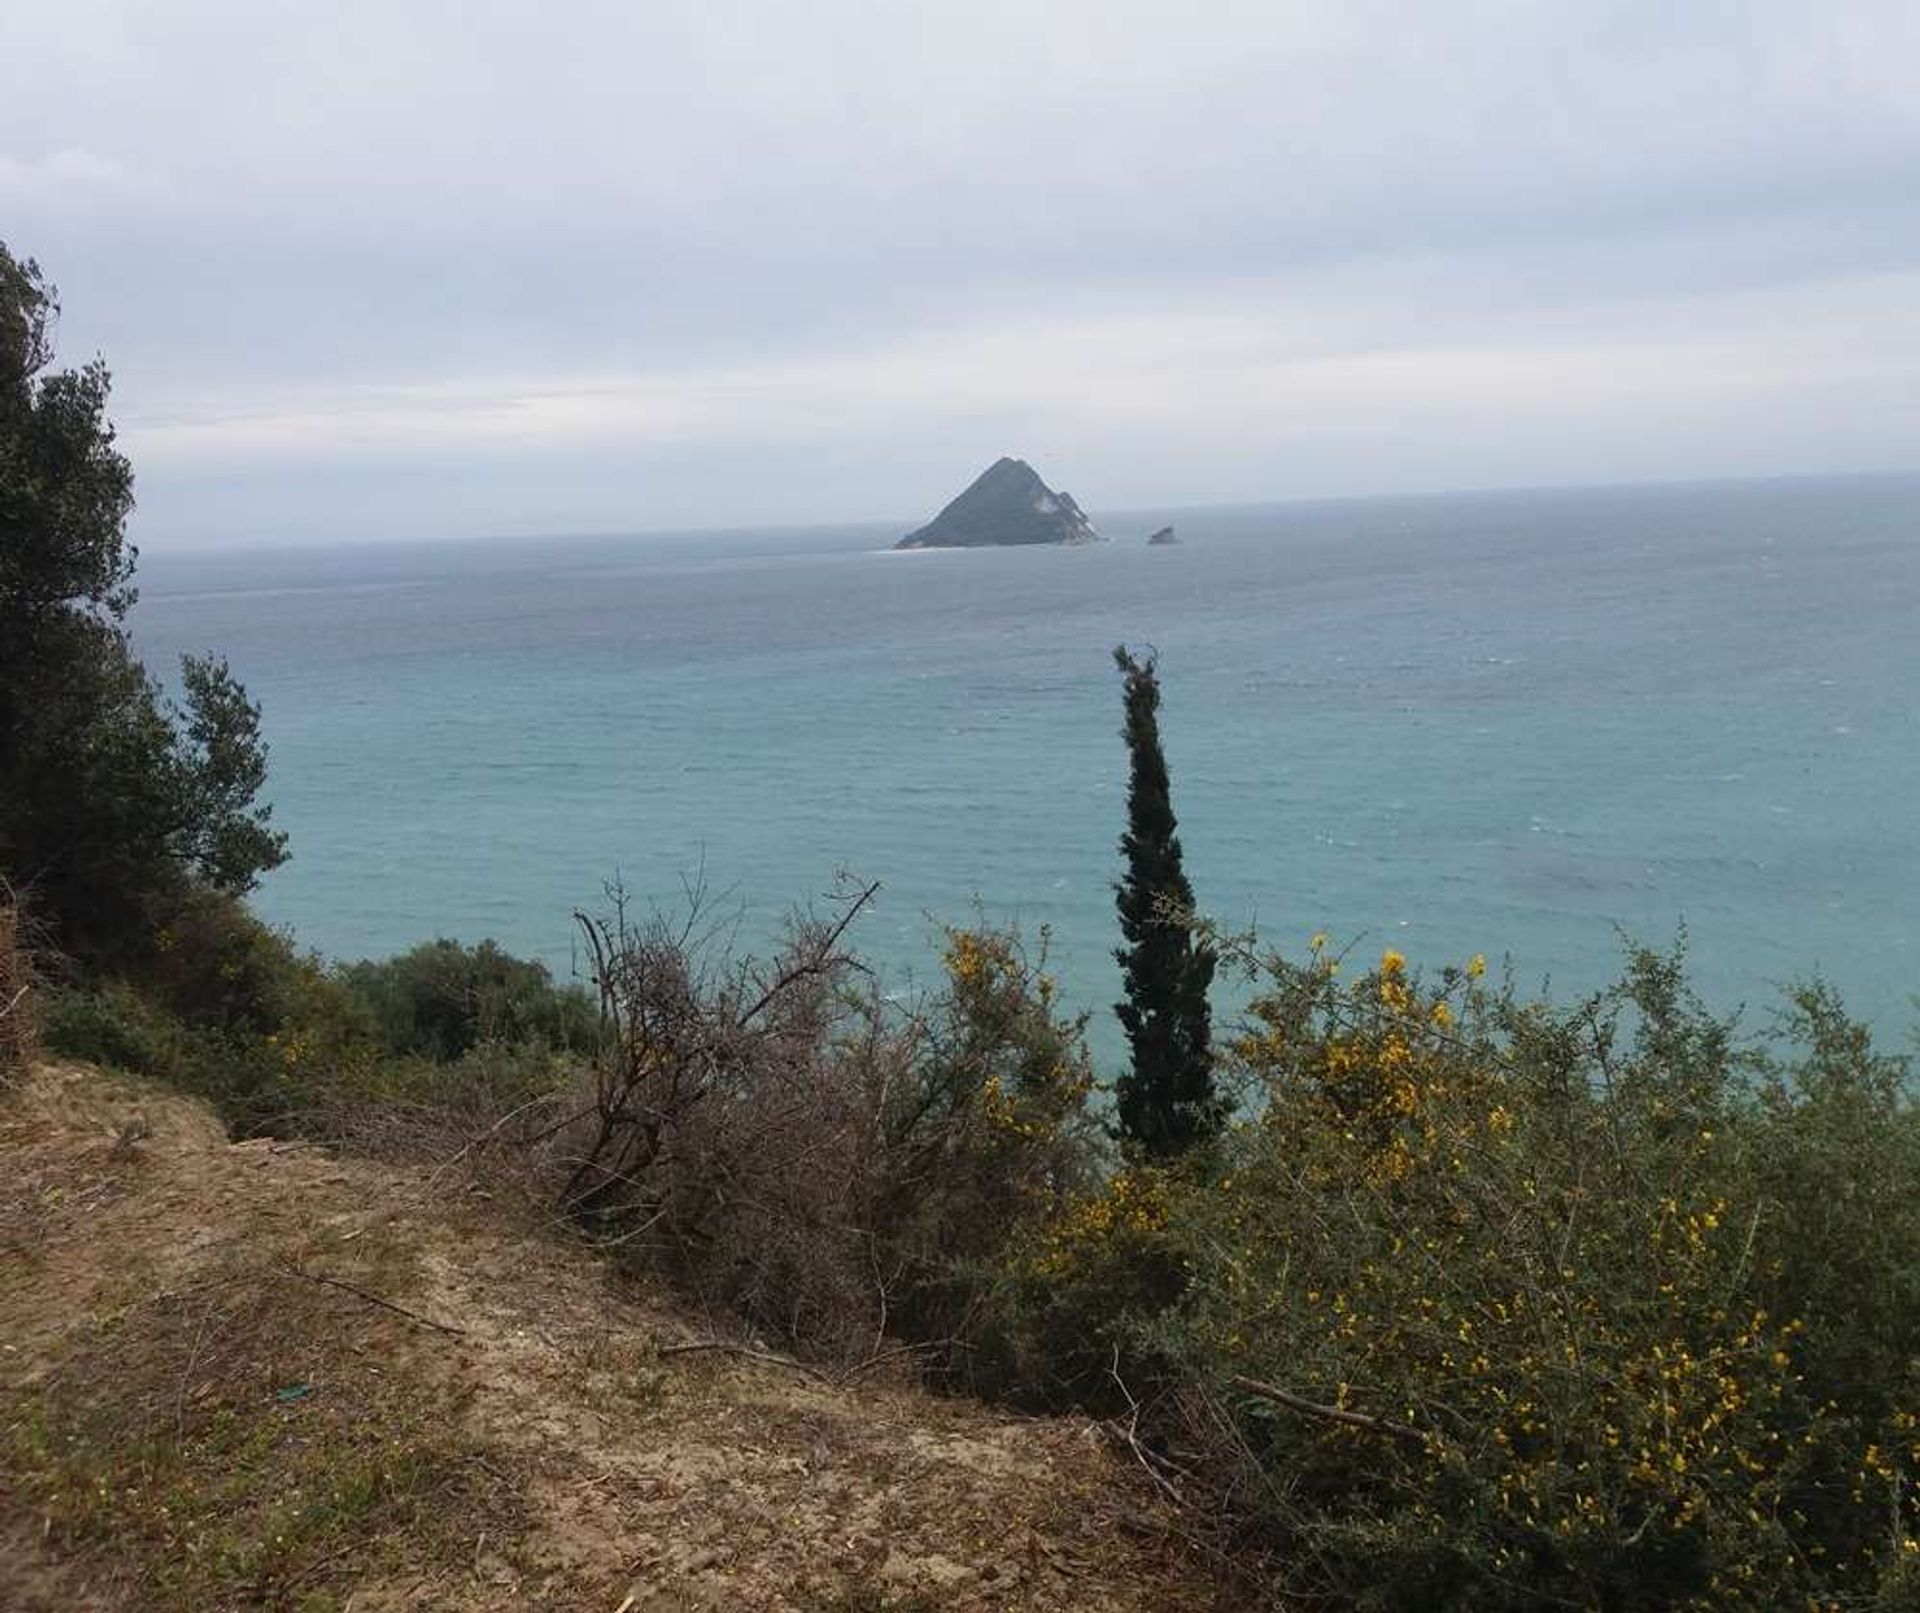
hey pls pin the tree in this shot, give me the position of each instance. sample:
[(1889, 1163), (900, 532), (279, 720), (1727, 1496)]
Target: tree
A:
[(113, 799), (1168, 1101)]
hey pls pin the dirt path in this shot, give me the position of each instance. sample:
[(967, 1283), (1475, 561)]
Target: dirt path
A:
[(260, 1376)]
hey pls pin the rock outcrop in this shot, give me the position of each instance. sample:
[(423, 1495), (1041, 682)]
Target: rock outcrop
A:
[(1163, 539), (1007, 504)]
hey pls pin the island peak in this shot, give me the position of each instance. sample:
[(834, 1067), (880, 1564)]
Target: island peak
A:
[(1006, 504)]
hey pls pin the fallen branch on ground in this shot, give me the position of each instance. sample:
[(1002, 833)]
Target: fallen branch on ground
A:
[(372, 1299), (722, 1347)]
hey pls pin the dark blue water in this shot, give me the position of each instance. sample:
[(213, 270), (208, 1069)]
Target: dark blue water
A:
[(1492, 723)]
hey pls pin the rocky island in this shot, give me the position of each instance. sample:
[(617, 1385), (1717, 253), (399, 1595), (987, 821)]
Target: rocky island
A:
[(1007, 504), (1163, 539)]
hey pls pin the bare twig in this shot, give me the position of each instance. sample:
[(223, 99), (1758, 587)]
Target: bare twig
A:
[(822, 954), (186, 1375), (1131, 1433), (1332, 1414), (488, 1135), (766, 1357), (561, 1124), (893, 1353), (372, 1299)]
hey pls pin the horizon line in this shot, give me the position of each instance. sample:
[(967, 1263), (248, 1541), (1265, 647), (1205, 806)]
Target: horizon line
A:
[(739, 528)]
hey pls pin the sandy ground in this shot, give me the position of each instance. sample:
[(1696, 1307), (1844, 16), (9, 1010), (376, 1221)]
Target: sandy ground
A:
[(612, 1468)]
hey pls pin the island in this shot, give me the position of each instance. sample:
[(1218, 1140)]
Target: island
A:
[(1163, 539), (1007, 504)]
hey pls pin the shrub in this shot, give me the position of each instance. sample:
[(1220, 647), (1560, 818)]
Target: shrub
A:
[(416, 1055), (1072, 1291), (986, 1132), (266, 1032), (498, 1094), (1492, 1306), (441, 1000), (221, 1006), (113, 1026), (214, 966), (830, 1166)]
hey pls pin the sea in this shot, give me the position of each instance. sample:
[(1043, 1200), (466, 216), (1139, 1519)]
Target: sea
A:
[(1531, 725)]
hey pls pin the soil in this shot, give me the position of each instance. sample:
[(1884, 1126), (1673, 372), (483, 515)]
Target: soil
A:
[(601, 1462)]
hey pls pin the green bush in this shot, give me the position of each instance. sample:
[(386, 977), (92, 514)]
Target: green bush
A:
[(258, 1082), (1492, 1306), (114, 1026), (1071, 1290), (441, 1000), (397, 1055), (982, 1131), (214, 965), (220, 1005)]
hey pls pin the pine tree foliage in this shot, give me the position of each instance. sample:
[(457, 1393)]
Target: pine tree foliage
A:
[(1167, 1101), (114, 800)]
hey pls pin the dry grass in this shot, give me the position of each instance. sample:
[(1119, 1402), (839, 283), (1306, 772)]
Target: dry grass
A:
[(189, 1417), (186, 1423), (16, 999), (240, 1443)]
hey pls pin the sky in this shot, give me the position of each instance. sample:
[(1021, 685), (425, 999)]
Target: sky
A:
[(426, 268)]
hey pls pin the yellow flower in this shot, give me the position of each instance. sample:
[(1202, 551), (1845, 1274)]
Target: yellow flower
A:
[(1392, 962), (1476, 966)]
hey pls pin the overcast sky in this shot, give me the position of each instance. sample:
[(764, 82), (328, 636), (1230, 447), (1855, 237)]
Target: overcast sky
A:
[(430, 267)]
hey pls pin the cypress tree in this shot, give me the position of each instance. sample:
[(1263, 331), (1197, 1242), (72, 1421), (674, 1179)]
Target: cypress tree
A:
[(1167, 1101)]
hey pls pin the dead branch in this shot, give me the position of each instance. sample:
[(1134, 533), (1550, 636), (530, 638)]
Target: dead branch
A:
[(820, 958), (372, 1299), (488, 1135), (1332, 1414), (766, 1357), (894, 1352), (1152, 1465)]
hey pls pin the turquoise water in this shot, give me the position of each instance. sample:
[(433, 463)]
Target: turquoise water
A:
[(1492, 723)]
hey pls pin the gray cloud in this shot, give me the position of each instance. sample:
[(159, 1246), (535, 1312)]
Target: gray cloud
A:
[(452, 267)]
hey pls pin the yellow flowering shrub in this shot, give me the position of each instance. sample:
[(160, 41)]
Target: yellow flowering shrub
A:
[(1073, 1286), (1002, 1046), (985, 1131), (1510, 1308)]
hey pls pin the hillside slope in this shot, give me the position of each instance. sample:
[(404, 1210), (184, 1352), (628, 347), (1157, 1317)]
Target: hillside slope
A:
[(261, 1375)]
